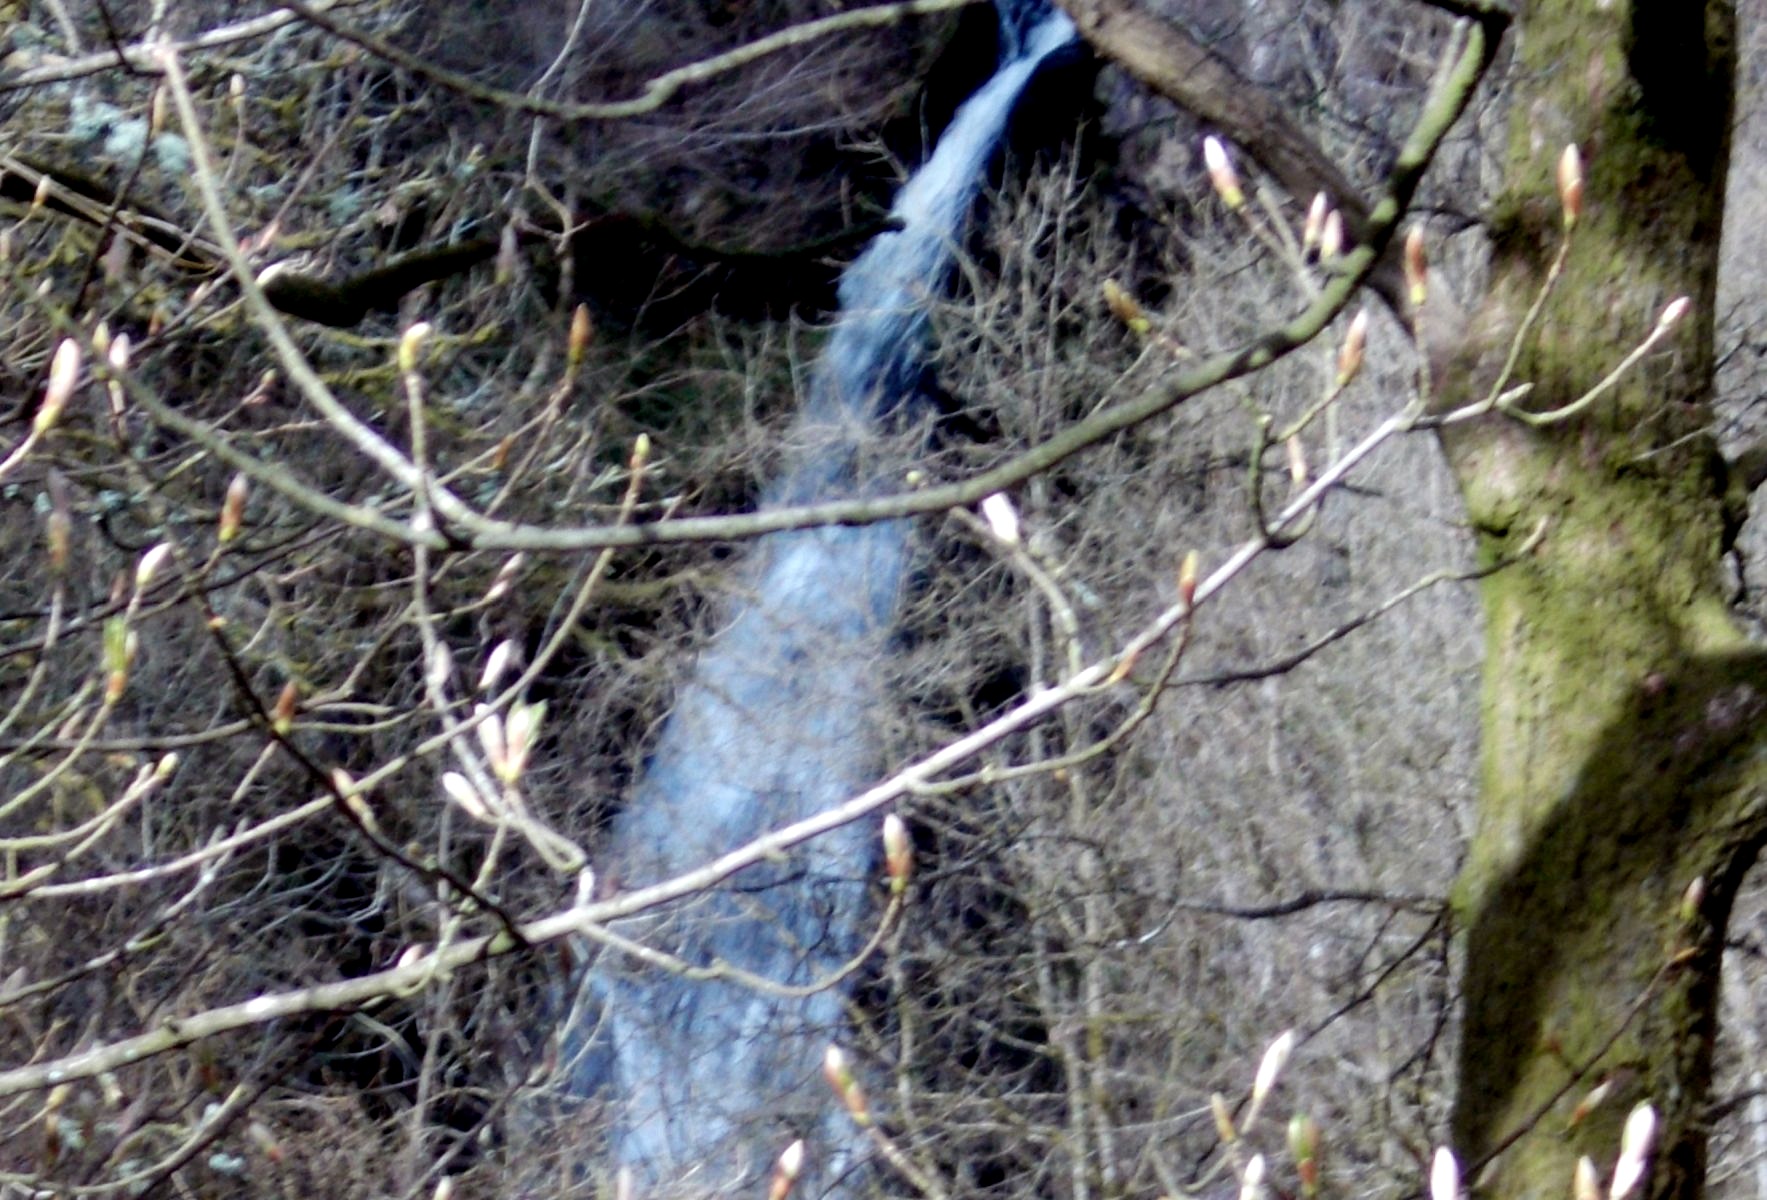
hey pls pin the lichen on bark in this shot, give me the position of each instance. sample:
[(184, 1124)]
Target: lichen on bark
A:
[(1621, 704)]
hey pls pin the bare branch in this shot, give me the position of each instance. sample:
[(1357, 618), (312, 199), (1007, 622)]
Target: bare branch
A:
[(658, 91), (1166, 59), (138, 56)]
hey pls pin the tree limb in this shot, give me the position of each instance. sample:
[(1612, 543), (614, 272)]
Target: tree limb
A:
[(658, 91), (138, 55), (1168, 60)]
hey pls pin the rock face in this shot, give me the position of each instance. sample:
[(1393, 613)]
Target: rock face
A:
[(760, 158)]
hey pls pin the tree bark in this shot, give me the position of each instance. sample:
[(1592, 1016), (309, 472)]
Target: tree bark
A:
[(1622, 751), (1624, 756)]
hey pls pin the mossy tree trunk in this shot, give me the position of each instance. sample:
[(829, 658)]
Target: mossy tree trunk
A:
[(1625, 715), (1623, 711)]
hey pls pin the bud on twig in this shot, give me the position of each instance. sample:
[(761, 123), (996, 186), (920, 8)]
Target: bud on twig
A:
[(640, 452), (1570, 184), (1591, 1101), (1223, 1119), (287, 704), (491, 738), (785, 1171), (64, 372), (462, 792), (60, 521), (1417, 268), (505, 576), (1002, 518), (1222, 174), (410, 344), (1187, 573), (1331, 238), (898, 857), (1586, 1182), (1269, 1070), (150, 565), (1691, 899), (1303, 1147), (582, 332), (440, 667), (1355, 341), (496, 664), (1314, 226), (120, 647), (1674, 312), (233, 509), (1297, 462), (1635, 1147), (116, 354), (265, 1141), (522, 732), (1444, 1176), (1251, 1183), (840, 1078), (1125, 308), (344, 784)]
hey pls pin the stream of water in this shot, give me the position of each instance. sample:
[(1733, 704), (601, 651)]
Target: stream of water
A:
[(707, 1080)]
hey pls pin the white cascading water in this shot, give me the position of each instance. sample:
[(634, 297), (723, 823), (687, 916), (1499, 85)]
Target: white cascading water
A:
[(705, 1081)]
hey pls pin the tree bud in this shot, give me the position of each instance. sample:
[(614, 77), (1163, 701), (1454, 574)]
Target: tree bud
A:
[(496, 664), (64, 373), (1444, 1175), (1635, 1147), (410, 344), (1314, 227), (1303, 1147), (1417, 270), (1187, 574), (233, 509), (840, 1077), (462, 792), (785, 1171), (1251, 1183), (582, 332), (1355, 341), (1331, 238), (1586, 1182), (150, 565), (898, 857), (1222, 174), (1125, 308), (287, 703), (1223, 1119), (1692, 899), (1570, 184), (1270, 1067), (1002, 518)]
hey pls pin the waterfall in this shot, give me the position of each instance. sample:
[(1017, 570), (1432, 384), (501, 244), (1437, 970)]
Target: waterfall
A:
[(707, 1080)]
